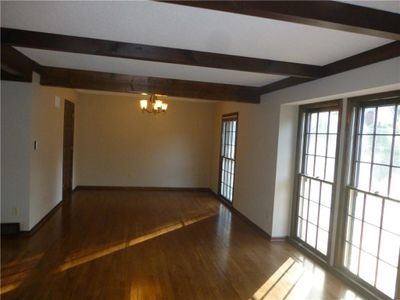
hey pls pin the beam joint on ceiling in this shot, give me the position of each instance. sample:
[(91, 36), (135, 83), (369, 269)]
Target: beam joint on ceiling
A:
[(375, 55), (15, 65)]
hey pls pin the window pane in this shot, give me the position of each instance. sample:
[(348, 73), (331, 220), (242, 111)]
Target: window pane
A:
[(333, 122), (310, 165), (311, 144), (314, 192), (326, 194), (363, 176), (354, 231), (369, 120), (356, 204), (380, 179), (330, 169), (373, 207), (389, 250), (370, 238), (313, 123), (323, 122), (303, 230), (367, 267), (321, 144), (324, 217), (383, 148), (386, 281), (322, 243), (319, 167), (391, 217), (398, 120), (351, 258), (311, 234), (395, 184), (313, 213), (366, 148), (385, 119), (332, 145), (396, 151)]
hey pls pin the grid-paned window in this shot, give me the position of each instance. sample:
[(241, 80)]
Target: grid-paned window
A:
[(316, 176), (372, 239), (228, 151)]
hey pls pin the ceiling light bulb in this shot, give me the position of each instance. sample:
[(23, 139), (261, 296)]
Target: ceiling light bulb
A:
[(143, 104), (164, 106), (158, 104)]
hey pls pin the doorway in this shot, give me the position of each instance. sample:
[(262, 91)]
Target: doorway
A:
[(68, 148)]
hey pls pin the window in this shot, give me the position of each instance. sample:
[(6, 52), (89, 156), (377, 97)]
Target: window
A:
[(316, 175), (228, 153), (372, 238)]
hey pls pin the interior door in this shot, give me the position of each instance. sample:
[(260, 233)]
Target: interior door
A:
[(68, 152)]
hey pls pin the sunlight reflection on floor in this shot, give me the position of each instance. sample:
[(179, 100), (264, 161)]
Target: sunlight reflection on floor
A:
[(295, 280), (14, 273), (109, 250)]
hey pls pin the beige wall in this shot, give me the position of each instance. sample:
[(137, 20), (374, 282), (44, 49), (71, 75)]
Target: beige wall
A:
[(16, 120), (47, 160), (31, 179), (118, 145)]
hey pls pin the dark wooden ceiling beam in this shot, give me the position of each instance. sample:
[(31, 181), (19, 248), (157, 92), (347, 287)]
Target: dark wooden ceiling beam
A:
[(15, 65), (327, 14), (91, 80), (57, 42), (375, 55)]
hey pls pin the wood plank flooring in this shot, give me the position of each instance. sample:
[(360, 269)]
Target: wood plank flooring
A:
[(157, 245)]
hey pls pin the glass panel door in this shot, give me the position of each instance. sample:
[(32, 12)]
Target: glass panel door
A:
[(228, 154), (316, 177)]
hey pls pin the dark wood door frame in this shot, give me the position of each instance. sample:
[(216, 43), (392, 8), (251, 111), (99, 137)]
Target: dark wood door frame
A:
[(68, 147)]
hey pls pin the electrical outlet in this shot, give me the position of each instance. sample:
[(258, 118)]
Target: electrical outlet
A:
[(14, 211)]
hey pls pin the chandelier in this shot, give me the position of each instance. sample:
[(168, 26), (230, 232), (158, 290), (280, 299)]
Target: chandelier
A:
[(153, 104)]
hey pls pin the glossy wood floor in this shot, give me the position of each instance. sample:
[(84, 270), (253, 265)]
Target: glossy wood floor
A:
[(156, 245)]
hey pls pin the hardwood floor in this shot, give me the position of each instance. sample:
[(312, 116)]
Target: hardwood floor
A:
[(157, 245)]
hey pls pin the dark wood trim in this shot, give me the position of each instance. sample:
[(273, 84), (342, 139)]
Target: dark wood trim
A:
[(319, 106), (15, 65), (74, 44), (375, 55), (9, 229), (326, 14), (378, 96), (139, 188), (384, 52), (71, 78), (43, 220)]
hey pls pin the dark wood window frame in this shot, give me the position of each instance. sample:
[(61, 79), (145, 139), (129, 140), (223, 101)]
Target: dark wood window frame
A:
[(300, 152), (348, 175), (227, 117)]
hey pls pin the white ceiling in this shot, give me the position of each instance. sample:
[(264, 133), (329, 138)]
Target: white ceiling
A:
[(170, 25)]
